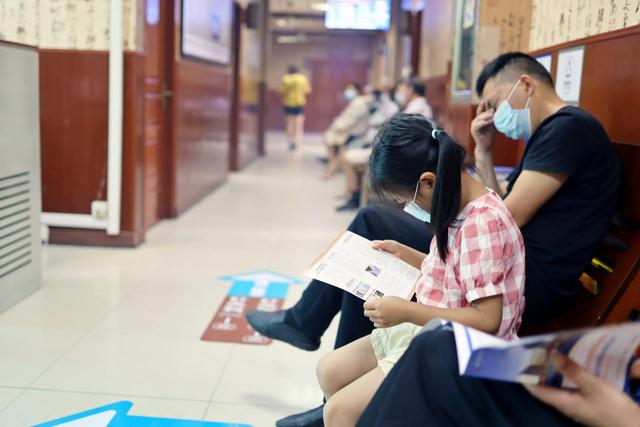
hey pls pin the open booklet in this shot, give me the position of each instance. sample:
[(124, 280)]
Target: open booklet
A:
[(606, 351), (353, 265)]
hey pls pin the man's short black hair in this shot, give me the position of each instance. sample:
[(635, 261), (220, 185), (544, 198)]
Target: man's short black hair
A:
[(521, 61), (293, 69), (417, 86)]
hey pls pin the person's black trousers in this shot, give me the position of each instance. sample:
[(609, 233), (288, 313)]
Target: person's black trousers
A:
[(424, 388), (320, 302)]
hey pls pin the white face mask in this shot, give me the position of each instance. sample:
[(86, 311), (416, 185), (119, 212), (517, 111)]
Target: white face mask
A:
[(515, 124), (400, 98), (416, 211), (349, 94)]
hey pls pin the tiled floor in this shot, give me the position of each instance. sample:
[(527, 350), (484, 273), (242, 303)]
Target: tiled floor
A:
[(120, 324)]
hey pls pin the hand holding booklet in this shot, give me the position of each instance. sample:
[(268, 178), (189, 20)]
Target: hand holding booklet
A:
[(606, 351), (351, 264)]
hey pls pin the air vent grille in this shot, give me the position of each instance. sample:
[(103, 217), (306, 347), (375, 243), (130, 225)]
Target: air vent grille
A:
[(15, 223)]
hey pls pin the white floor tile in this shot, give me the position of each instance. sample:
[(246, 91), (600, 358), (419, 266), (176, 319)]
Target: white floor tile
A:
[(140, 365), (26, 353), (38, 406), (65, 306), (170, 313), (275, 375), (7, 395)]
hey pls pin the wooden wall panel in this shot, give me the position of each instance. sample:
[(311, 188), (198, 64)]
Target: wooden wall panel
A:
[(611, 85), (202, 106), (73, 115), (629, 306), (73, 126)]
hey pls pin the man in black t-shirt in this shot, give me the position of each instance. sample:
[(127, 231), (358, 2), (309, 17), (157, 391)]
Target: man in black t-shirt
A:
[(563, 192)]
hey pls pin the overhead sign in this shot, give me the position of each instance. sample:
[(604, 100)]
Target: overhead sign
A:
[(116, 415), (260, 290)]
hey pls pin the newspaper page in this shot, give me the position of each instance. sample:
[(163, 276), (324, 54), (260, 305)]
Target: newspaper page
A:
[(353, 265), (606, 351)]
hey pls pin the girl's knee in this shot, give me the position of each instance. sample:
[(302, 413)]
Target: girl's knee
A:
[(337, 412), (323, 373)]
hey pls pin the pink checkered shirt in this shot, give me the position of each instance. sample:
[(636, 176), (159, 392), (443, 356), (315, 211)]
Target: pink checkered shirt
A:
[(486, 258)]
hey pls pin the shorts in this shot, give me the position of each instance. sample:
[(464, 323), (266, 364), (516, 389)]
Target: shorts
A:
[(358, 156), (389, 344), (293, 111)]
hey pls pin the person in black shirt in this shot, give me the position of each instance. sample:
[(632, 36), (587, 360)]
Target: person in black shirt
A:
[(563, 192)]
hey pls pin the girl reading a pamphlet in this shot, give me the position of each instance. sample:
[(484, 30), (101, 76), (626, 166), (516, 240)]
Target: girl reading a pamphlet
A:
[(474, 273)]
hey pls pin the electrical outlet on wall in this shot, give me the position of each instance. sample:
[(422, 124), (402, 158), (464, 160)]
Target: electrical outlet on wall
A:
[(99, 209)]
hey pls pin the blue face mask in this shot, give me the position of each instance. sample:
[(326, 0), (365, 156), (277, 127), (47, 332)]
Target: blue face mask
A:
[(515, 124), (416, 211)]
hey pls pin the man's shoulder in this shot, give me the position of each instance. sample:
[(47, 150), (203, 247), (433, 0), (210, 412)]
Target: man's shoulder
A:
[(569, 119)]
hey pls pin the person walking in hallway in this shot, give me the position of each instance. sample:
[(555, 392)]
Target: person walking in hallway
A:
[(294, 90)]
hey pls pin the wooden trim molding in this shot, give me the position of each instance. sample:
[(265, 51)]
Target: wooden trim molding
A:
[(10, 43), (81, 237), (623, 32)]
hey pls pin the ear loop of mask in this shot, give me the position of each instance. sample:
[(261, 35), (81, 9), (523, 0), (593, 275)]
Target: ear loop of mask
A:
[(511, 93), (415, 195)]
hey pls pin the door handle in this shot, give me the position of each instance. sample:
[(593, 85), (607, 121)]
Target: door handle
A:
[(165, 95)]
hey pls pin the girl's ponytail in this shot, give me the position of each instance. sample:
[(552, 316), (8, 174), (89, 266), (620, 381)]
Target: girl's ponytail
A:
[(445, 205), (407, 145)]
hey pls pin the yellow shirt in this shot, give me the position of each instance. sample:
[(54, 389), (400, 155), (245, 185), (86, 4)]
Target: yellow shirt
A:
[(294, 90)]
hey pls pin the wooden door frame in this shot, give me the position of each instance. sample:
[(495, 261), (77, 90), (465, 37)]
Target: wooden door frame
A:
[(234, 127), (166, 151)]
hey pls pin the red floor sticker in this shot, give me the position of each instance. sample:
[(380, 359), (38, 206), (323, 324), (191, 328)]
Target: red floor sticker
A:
[(230, 322)]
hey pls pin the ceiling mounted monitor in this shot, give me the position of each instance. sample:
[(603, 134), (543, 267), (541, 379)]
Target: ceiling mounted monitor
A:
[(373, 15)]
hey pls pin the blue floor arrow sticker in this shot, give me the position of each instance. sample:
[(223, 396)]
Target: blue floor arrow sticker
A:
[(116, 415), (261, 290)]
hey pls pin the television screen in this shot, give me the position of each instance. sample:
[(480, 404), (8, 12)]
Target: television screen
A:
[(358, 14)]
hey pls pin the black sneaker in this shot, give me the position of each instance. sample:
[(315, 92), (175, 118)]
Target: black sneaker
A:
[(352, 204), (310, 418), (292, 147), (273, 324)]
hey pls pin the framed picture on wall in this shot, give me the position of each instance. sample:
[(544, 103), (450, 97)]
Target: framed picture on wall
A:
[(463, 48), (206, 30)]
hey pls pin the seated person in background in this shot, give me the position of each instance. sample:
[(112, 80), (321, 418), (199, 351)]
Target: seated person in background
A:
[(425, 388), (411, 96), (474, 273), (352, 122), (355, 158), (413, 101), (562, 194)]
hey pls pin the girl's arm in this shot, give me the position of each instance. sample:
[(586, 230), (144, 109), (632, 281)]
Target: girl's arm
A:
[(484, 315)]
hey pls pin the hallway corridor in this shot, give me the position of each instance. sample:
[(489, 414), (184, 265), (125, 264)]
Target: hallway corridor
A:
[(125, 324)]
